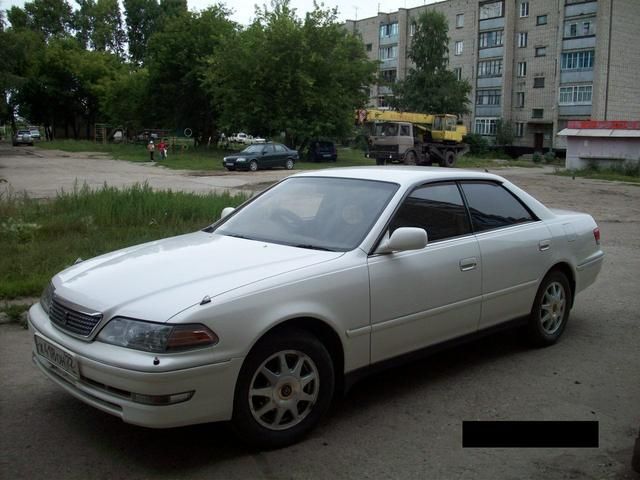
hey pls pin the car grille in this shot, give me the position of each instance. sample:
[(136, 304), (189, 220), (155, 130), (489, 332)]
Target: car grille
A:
[(73, 321), (384, 148)]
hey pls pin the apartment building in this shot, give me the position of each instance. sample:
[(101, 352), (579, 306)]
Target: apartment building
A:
[(536, 63)]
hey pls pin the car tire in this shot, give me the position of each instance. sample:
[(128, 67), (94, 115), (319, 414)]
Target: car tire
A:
[(550, 311), (267, 390), (410, 158), (449, 159), (253, 166), (288, 164)]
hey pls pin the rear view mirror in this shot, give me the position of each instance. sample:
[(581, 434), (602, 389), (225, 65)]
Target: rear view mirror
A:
[(226, 211), (403, 239)]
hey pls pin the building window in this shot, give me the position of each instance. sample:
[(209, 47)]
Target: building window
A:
[(488, 97), (522, 39), (458, 73), (519, 129), (583, 28), (490, 68), (388, 30), (460, 20), (541, 20), (490, 10), (538, 82), (522, 69), (459, 47), (582, 60), (369, 47), (576, 95), (524, 9), (520, 99), (490, 39), (537, 113), (388, 53), (412, 29), (541, 51), (388, 76), (485, 126)]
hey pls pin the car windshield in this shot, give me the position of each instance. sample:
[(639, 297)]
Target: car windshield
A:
[(253, 149), (313, 212), (23, 132)]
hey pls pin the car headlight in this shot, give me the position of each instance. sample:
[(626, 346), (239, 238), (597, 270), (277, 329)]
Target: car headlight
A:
[(156, 337), (241, 159), (47, 297)]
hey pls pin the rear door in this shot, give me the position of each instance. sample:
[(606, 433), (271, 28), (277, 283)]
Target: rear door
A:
[(280, 156), (515, 246)]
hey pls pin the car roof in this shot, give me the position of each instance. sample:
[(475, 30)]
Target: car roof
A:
[(403, 175)]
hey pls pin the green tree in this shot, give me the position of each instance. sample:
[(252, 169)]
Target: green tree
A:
[(504, 132), (124, 99), (141, 18), (48, 17), (98, 25), (283, 74), (177, 62), (430, 87)]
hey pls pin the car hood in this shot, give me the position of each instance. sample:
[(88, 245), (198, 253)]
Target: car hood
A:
[(240, 155), (157, 280)]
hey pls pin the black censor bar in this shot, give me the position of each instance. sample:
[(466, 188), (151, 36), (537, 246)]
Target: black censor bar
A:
[(530, 434)]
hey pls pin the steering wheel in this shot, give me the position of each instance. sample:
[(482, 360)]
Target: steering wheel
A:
[(287, 217)]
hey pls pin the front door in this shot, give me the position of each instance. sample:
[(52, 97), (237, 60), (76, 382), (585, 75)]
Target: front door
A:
[(538, 141), (423, 297)]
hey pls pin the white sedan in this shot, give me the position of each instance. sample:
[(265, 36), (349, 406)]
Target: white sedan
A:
[(263, 316)]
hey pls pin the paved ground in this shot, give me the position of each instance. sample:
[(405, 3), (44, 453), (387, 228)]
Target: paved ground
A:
[(405, 423)]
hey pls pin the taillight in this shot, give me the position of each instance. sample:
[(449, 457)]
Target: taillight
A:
[(596, 235)]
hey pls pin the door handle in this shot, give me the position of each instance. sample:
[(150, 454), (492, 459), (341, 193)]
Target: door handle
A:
[(467, 264), (544, 245)]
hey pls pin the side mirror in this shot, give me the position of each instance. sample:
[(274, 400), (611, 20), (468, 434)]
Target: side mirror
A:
[(226, 211), (403, 239)]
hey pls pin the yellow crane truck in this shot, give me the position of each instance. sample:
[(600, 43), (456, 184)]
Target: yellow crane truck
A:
[(413, 138)]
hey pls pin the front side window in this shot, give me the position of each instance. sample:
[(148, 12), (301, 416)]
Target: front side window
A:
[(280, 149), (493, 206), (436, 208)]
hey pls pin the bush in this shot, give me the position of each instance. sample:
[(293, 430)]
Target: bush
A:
[(537, 157), (478, 145), (549, 157)]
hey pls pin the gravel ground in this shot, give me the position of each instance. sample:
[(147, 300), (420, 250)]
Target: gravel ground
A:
[(404, 423)]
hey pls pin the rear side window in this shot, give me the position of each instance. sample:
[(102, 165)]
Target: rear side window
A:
[(493, 206), (437, 208)]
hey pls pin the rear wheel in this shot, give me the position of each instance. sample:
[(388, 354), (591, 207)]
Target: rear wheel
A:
[(449, 158), (550, 311), (253, 165), (285, 386)]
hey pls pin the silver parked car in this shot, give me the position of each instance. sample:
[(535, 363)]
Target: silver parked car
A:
[(22, 137), (261, 317)]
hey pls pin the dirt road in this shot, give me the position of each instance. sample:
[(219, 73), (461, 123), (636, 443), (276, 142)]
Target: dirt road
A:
[(405, 423)]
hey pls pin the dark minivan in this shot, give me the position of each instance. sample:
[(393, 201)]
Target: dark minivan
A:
[(322, 151)]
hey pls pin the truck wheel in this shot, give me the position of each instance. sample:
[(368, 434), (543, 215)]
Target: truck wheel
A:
[(410, 158), (449, 158)]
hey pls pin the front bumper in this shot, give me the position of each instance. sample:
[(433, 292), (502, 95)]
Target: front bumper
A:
[(111, 388)]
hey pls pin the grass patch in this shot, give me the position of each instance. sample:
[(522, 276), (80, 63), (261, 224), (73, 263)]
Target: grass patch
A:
[(624, 173), (14, 311), (471, 161), (38, 239)]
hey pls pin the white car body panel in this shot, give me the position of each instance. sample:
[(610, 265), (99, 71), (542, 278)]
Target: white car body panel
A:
[(379, 306)]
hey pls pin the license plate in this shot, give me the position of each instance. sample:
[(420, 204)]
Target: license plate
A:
[(326, 155), (228, 164), (58, 357)]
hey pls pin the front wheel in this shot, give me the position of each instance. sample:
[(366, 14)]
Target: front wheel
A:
[(253, 166), (449, 159), (288, 164), (550, 311), (410, 158), (285, 386)]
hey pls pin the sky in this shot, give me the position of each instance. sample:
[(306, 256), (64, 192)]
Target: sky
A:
[(244, 9)]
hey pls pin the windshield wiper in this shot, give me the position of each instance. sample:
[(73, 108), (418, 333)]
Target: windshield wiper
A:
[(314, 247)]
